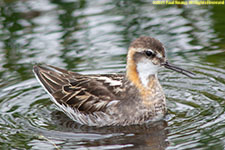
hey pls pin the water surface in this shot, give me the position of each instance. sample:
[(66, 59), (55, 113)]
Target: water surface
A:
[(92, 37)]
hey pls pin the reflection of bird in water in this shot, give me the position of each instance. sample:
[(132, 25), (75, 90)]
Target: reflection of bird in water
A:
[(146, 136), (113, 99)]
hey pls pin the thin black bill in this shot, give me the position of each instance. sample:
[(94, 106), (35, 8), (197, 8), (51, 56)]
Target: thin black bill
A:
[(177, 69)]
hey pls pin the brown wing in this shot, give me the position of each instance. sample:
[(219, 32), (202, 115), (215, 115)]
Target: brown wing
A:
[(87, 93)]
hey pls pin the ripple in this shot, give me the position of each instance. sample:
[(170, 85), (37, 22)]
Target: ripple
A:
[(93, 37), (200, 101)]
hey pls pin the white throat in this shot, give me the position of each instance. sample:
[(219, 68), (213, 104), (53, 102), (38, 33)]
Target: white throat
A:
[(146, 68)]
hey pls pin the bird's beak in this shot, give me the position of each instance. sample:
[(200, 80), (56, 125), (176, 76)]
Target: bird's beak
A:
[(177, 69)]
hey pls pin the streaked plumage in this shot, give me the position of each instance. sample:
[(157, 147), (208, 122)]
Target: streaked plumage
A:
[(112, 99)]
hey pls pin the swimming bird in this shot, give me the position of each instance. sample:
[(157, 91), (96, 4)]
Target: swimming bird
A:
[(135, 97)]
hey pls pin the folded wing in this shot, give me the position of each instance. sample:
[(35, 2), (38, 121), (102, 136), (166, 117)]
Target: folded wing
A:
[(87, 93)]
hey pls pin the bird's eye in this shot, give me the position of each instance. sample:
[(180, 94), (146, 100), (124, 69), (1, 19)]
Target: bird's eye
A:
[(148, 53)]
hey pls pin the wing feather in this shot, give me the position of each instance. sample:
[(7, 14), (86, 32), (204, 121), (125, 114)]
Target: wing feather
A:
[(87, 93)]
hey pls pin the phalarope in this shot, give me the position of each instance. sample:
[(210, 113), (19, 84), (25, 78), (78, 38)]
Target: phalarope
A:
[(113, 99)]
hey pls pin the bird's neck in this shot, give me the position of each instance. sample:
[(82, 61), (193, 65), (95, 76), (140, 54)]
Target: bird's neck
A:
[(148, 91), (141, 81), (139, 75)]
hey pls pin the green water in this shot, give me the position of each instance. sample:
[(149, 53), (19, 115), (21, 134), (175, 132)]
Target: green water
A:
[(93, 37)]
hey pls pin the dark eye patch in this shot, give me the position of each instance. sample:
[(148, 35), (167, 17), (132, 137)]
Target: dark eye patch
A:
[(149, 53)]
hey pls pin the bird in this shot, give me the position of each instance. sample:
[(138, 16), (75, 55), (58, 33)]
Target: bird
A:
[(131, 98)]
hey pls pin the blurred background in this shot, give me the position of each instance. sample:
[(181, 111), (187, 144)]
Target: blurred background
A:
[(92, 37)]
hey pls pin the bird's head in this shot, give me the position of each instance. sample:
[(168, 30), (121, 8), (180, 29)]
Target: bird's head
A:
[(145, 56)]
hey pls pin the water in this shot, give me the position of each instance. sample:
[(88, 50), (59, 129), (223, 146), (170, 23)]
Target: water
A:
[(93, 37)]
